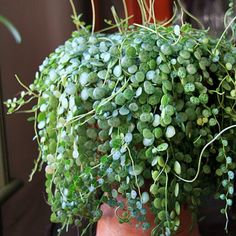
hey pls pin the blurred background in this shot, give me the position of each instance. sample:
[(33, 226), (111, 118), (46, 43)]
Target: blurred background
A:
[(44, 25)]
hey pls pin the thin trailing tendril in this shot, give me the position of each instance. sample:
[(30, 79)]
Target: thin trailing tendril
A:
[(147, 28), (122, 21), (182, 16), (226, 217), (230, 14), (110, 65), (151, 9), (25, 102), (39, 145), (153, 14), (74, 14), (148, 9), (223, 34), (113, 95), (201, 154), (167, 159), (166, 199), (123, 220), (116, 19), (25, 87), (143, 11), (94, 15), (79, 117), (226, 205), (136, 178), (103, 102), (85, 230), (189, 14), (173, 16), (126, 13)]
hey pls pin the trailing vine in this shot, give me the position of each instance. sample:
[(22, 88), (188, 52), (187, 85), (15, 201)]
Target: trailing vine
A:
[(147, 113)]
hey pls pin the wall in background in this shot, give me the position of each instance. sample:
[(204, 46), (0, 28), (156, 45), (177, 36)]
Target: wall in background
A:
[(210, 13), (43, 25)]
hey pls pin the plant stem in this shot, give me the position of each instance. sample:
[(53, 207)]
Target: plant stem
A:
[(201, 154), (189, 14), (94, 16), (126, 13), (222, 35), (136, 178), (116, 19), (74, 13), (25, 87)]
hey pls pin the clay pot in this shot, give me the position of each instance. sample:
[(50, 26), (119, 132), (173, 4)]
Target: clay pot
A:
[(163, 10), (109, 225)]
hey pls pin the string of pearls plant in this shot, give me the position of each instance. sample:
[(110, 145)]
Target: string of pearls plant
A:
[(147, 113)]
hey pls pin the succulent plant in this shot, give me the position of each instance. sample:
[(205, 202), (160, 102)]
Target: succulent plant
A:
[(148, 113)]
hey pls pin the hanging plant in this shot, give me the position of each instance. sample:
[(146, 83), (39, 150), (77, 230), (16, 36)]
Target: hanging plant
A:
[(147, 113)]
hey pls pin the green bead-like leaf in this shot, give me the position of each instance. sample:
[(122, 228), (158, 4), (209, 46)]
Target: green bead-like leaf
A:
[(176, 189), (162, 147), (177, 168)]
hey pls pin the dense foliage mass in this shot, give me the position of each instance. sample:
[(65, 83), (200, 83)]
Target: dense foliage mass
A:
[(136, 114)]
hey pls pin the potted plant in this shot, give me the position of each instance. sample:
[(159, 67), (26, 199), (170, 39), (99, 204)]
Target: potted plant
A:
[(141, 120)]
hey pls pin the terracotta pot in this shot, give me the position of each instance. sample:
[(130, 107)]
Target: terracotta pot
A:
[(133, 10), (163, 10), (109, 225)]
